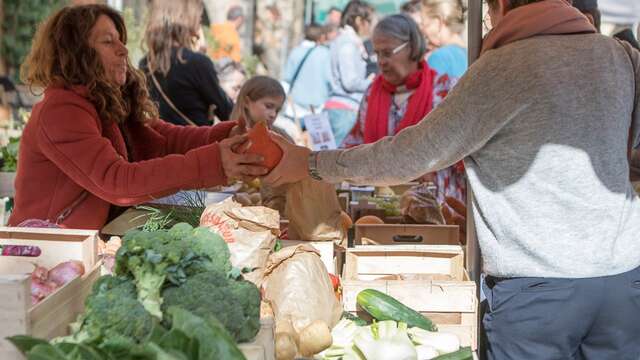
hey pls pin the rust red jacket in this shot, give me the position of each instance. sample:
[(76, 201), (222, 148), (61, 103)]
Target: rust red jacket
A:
[(66, 149)]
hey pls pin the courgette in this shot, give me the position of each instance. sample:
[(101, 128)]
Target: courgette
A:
[(383, 307), (462, 354)]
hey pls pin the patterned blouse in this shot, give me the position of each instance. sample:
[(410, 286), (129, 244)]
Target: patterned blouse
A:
[(450, 181)]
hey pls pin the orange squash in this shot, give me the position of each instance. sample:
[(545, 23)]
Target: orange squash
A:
[(261, 143)]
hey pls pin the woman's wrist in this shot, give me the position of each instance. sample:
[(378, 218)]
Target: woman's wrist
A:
[(313, 166)]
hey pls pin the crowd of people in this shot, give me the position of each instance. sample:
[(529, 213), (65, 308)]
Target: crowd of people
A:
[(544, 127)]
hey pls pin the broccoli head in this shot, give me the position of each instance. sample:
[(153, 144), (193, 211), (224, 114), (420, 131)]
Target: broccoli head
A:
[(112, 310), (156, 259), (212, 294)]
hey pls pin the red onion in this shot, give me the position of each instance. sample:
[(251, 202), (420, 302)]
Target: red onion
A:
[(40, 274), (66, 271), (40, 290)]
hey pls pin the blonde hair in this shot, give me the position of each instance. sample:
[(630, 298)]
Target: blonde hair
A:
[(452, 12), (254, 89), (171, 24)]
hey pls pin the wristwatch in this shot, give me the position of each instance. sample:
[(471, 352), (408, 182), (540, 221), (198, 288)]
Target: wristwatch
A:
[(313, 166)]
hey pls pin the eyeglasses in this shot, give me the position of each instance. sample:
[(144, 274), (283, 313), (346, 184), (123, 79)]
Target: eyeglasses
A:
[(389, 54)]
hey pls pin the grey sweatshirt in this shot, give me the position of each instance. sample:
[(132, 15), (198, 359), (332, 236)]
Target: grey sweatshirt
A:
[(542, 125)]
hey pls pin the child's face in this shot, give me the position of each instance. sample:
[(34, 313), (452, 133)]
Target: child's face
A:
[(265, 109)]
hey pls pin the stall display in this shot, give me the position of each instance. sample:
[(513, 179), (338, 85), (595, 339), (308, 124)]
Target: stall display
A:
[(232, 289)]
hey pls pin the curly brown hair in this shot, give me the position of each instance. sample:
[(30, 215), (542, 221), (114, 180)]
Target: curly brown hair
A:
[(61, 56)]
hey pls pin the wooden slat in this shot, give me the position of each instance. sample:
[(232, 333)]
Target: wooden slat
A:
[(379, 234), (418, 295), (365, 262)]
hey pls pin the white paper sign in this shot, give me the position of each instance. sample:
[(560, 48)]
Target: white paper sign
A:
[(320, 133)]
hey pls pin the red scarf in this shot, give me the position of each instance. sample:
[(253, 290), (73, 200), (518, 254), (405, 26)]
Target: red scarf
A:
[(549, 17), (379, 102)]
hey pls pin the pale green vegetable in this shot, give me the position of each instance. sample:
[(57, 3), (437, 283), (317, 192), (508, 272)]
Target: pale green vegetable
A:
[(426, 352), (443, 342), (385, 340), (342, 334)]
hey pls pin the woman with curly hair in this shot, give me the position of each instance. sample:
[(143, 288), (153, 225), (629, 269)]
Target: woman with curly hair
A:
[(94, 142)]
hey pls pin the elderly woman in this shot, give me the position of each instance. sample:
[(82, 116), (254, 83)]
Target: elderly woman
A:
[(94, 142), (556, 216), (404, 92), (181, 80)]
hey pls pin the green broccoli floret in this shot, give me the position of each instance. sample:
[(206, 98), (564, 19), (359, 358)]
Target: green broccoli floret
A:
[(112, 310), (148, 258), (235, 303), (159, 258), (209, 244)]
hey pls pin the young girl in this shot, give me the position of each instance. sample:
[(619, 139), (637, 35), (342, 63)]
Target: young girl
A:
[(260, 100)]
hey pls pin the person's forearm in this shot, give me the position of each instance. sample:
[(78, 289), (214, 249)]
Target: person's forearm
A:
[(392, 160)]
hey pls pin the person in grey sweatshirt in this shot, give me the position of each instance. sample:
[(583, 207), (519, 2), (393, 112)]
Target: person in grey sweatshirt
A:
[(544, 121)]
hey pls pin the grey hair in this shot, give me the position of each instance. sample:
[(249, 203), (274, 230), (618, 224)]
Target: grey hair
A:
[(405, 29)]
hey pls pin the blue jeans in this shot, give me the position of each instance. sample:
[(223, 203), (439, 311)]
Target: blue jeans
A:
[(342, 121), (563, 319)]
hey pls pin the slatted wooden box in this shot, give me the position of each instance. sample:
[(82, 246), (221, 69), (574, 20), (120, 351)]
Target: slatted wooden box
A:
[(430, 279), (51, 317)]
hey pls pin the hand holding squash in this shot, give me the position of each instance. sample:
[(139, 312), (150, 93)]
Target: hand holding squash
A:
[(245, 167)]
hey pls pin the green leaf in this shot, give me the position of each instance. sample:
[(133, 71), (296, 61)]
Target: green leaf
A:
[(178, 341), (215, 341), (78, 351), (46, 352), (25, 343)]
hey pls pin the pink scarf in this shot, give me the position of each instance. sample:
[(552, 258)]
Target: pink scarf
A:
[(548, 17)]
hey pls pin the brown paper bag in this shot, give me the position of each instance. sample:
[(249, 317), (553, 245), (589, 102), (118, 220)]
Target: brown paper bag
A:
[(250, 232), (298, 287), (419, 205), (313, 211)]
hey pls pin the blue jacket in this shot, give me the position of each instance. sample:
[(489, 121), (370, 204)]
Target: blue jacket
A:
[(450, 60), (348, 67)]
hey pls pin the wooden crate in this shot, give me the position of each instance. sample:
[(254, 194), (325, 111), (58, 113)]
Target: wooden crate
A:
[(404, 234), (331, 254), (49, 318), (430, 279)]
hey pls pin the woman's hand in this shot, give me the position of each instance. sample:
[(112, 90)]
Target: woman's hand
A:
[(294, 165), (239, 129), (245, 167)]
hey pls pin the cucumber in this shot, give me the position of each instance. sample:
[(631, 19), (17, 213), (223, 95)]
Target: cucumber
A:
[(383, 307), (462, 354)]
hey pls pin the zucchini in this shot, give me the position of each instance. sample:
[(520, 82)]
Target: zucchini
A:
[(358, 321), (383, 307), (462, 354)]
